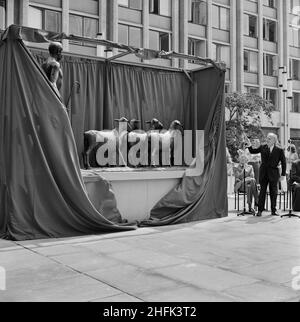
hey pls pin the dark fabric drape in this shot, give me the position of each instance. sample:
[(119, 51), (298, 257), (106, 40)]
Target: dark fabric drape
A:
[(203, 197), (144, 93), (111, 90), (42, 193), (83, 93)]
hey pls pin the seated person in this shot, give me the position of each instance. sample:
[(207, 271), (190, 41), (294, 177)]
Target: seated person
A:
[(251, 188), (295, 181), (255, 159)]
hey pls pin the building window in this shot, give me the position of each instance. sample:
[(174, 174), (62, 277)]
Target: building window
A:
[(198, 12), (83, 27), (160, 40), (197, 48), (293, 5), (250, 61), (295, 69), (270, 65), (221, 17), (133, 4), (227, 88), (296, 103), (2, 15), (252, 90), (270, 3), (41, 18), (271, 95), (221, 53), (294, 37), (250, 26), (161, 7), (270, 30), (131, 36)]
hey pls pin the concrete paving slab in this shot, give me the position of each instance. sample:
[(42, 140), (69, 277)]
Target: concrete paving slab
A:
[(22, 258), (58, 250), (147, 258), (228, 259), (274, 272), (262, 292), (6, 244), (133, 280), (86, 261), (30, 277), (206, 277), (109, 246), (80, 288), (125, 298), (185, 294)]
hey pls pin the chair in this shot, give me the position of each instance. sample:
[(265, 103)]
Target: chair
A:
[(280, 195)]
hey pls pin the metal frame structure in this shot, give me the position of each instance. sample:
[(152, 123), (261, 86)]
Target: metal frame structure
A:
[(44, 36)]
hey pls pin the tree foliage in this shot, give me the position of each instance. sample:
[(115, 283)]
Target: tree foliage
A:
[(244, 118)]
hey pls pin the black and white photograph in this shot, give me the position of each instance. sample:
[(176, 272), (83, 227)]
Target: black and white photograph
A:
[(149, 154)]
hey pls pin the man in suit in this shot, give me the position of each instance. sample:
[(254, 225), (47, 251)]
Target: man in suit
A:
[(295, 180), (271, 157)]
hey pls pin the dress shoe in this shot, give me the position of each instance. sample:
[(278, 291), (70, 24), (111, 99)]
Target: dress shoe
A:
[(259, 214), (275, 214)]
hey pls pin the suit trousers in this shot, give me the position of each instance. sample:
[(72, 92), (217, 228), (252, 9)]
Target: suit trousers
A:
[(273, 187), (296, 198)]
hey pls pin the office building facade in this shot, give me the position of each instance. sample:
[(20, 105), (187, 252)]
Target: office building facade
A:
[(253, 37)]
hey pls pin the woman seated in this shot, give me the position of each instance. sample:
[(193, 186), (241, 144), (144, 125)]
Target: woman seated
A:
[(250, 187)]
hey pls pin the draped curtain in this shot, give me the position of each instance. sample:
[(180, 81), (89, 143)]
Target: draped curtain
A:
[(205, 196), (42, 193), (112, 90), (144, 93)]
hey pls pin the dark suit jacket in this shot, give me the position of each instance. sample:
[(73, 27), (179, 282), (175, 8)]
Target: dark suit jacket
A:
[(270, 162), (295, 172)]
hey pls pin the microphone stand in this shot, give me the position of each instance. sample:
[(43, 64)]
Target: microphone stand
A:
[(245, 212), (290, 192), (290, 196)]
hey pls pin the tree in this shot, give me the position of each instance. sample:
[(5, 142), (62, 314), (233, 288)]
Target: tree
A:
[(244, 118)]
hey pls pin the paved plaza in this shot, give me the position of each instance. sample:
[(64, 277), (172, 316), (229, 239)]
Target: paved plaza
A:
[(229, 259)]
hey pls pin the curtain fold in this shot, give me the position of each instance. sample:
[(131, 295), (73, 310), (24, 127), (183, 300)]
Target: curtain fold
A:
[(41, 189), (145, 93), (203, 197)]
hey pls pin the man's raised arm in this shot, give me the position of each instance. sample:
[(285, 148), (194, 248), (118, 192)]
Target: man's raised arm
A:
[(253, 148)]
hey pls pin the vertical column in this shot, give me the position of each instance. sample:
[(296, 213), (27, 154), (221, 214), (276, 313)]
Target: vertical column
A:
[(209, 29), (286, 54), (65, 22), (183, 30), (145, 22), (175, 29), (102, 11), (9, 13), (240, 46), (260, 48), (233, 37), (281, 63), (112, 22), (24, 7)]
